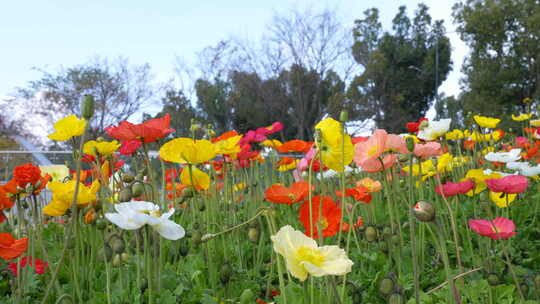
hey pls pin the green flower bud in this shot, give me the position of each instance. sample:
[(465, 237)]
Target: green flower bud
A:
[(344, 116), (253, 234), (87, 107), (386, 286), (137, 189), (395, 298), (371, 234), (493, 279), (128, 178), (125, 195)]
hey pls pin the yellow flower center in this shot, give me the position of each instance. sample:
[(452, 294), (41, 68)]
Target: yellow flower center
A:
[(154, 213), (313, 256), (323, 223), (373, 150), (292, 196)]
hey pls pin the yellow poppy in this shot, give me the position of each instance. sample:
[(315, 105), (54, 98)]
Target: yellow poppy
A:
[(455, 135), (93, 147), (522, 117), (228, 146), (502, 200), (486, 122), (187, 151), (479, 178), (56, 172), (336, 147), (68, 127), (535, 123), (62, 196), (271, 143), (195, 177)]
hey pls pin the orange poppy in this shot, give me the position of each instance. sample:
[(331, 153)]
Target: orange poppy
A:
[(224, 136), (280, 194), (359, 193), (359, 223), (11, 248), (328, 220), (468, 144), (295, 145), (148, 131)]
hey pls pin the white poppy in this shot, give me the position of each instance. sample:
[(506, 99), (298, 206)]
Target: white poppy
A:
[(303, 256), (434, 129), (504, 157), (135, 214), (524, 168)]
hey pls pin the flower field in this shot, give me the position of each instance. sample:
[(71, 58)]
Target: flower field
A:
[(438, 215)]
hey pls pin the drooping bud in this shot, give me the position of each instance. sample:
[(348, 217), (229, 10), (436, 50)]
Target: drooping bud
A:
[(424, 211), (253, 234), (87, 107), (137, 189), (386, 286), (410, 143), (125, 195), (371, 234), (344, 116)]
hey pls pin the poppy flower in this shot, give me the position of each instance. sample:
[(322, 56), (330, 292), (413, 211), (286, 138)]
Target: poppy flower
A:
[(375, 165), (509, 184), (336, 147), (62, 196), (486, 122), (286, 163), (10, 248), (434, 129), (195, 177), (146, 132), (501, 199), (427, 150), (56, 172), (280, 194), (452, 189), (413, 127), (224, 136), (504, 157), (359, 223), (129, 147), (94, 148), (358, 193), (271, 143), (469, 144), (328, 220), (479, 177), (28, 174), (228, 145), (370, 184), (185, 150), (295, 145), (497, 229), (455, 135), (67, 128), (524, 168), (304, 257), (38, 265), (5, 203), (133, 215)]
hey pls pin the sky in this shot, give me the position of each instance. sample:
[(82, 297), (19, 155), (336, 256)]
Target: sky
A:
[(61, 33)]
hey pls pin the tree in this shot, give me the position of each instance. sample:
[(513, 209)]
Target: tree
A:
[(401, 70), (450, 107), (503, 66), (119, 90), (212, 100), (181, 110)]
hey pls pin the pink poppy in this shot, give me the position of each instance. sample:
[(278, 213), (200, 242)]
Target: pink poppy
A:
[(375, 165), (522, 142), (427, 150), (509, 184), (451, 189), (498, 229), (395, 143), (372, 148)]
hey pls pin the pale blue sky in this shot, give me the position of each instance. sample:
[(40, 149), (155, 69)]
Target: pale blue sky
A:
[(52, 33)]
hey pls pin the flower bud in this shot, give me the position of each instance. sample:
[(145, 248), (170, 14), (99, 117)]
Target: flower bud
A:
[(90, 217), (410, 143), (253, 234), (137, 189), (117, 244), (225, 273), (493, 279), (87, 107), (128, 178), (117, 260), (125, 195), (371, 234), (101, 224), (395, 298), (424, 211), (386, 286), (125, 257), (344, 116)]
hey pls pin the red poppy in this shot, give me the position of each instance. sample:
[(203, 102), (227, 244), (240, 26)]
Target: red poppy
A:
[(38, 265), (295, 145), (329, 220), (171, 174), (280, 194), (451, 189), (358, 139), (359, 193), (26, 174), (414, 127), (11, 248), (129, 146), (359, 223), (498, 229), (148, 131), (468, 144), (5, 203)]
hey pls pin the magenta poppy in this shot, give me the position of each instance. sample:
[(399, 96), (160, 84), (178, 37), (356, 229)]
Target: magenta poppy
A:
[(509, 184), (497, 229), (451, 189)]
